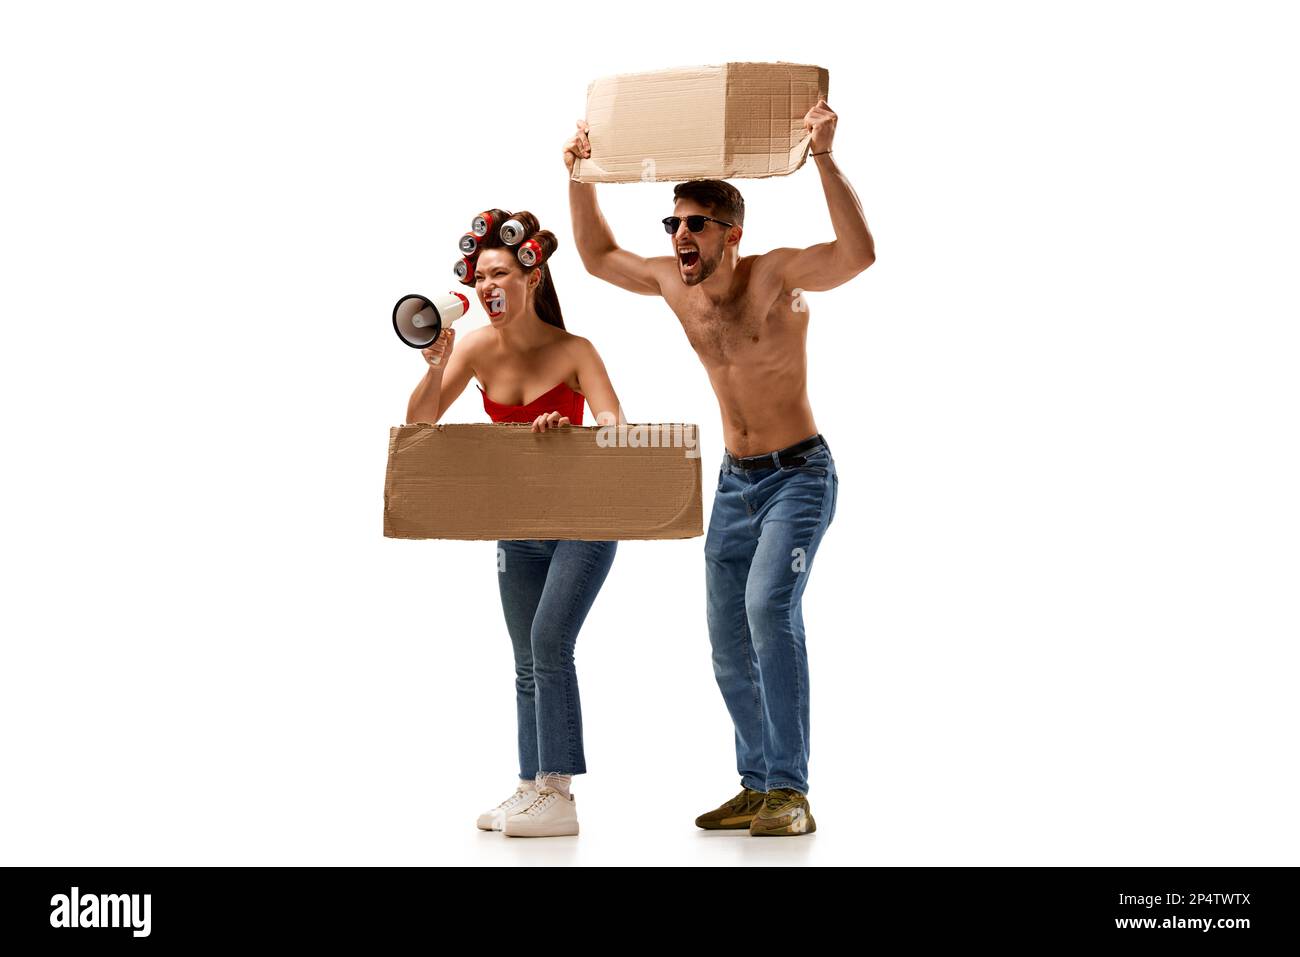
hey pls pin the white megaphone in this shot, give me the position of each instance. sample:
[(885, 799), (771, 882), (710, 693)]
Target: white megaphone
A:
[(420, 320)]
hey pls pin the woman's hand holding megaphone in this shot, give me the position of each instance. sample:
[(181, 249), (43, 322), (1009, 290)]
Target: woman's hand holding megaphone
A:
[(438, 353), (549, 420)]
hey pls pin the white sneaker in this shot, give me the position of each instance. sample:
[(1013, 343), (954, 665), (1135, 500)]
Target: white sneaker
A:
[(495, 819), (550, 814)]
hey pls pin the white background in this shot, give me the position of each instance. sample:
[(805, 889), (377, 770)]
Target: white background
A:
[(1054, 622)]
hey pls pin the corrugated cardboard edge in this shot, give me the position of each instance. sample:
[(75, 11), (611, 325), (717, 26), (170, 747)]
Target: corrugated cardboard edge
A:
[(802, 148), (420, 431), (393, 433)]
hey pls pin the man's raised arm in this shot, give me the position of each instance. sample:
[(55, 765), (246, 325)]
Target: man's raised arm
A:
[(827, 265), (602, 256)]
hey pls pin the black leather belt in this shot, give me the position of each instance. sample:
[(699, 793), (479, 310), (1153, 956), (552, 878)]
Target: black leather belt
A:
[(791, 455)]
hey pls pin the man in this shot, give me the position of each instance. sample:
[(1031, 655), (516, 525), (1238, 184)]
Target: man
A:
[(747, 321)]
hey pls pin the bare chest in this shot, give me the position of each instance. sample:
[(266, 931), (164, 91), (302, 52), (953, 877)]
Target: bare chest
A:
[(727, 332)]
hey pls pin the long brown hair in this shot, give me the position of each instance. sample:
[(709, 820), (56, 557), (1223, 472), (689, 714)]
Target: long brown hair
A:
[(545, 299)]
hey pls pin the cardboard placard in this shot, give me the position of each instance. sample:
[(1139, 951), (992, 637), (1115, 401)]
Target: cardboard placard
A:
[(504, 481), (708, 122)]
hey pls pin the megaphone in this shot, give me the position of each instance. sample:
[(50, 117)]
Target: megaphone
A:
[(420, 320)]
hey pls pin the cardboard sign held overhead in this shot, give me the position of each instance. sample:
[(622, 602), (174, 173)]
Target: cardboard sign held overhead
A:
[(707, 122), (504, 481)]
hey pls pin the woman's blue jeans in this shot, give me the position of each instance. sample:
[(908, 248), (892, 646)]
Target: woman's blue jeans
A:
[(547, 588)]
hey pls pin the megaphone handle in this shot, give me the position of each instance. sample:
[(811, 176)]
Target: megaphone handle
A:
[(437, 360)]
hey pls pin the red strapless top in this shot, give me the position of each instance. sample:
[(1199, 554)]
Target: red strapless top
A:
[(561, 399)]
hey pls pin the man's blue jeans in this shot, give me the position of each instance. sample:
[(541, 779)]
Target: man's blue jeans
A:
[(763, 534), (547, 588)]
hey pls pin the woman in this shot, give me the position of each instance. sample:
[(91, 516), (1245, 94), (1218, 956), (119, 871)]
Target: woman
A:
[(530, 369)]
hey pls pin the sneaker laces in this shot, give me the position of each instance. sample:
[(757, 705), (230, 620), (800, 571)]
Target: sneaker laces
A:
[(776, 798), (543, 800), (513, 799)]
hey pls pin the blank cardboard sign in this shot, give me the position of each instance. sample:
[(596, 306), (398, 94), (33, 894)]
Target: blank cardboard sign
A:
[(706, 122), (504, 481)]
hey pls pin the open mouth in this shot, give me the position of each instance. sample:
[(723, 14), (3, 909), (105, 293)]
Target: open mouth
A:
[(688, 256), (495, 304)]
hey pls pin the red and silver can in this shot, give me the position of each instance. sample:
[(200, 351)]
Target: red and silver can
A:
[(537, 249), (469, 244), (515, 229), (487, 221), (464, 270)]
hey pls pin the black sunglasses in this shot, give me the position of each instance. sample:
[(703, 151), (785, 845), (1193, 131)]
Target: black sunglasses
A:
[(694, 223)]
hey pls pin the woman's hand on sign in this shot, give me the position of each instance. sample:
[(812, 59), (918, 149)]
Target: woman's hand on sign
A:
[(549, 420)]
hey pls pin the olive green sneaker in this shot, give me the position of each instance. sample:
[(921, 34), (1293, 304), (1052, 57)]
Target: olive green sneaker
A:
[(736, 814), (783, 812)]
